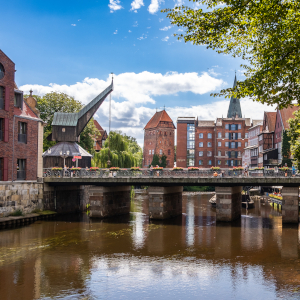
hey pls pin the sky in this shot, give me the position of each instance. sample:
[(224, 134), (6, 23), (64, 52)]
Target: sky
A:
[(74, 46)]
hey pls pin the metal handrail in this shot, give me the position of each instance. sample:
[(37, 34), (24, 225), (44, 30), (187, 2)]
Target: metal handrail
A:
[(164, 173)]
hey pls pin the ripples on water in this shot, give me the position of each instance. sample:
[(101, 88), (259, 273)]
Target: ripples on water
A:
[(130, 257)]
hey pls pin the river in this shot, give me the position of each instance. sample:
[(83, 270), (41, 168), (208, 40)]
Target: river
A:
[(130, 257)]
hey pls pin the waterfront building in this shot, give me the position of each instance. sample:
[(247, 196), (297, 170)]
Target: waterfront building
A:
[(207, 143), (21, 129), (250, 154), (100, 139), (159, 136)]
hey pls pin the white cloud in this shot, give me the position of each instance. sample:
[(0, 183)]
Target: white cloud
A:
[(135, 24), (166, 28), (144, 36), (136, 4), (134, 91), (154, 6), (179, 2), (73, 24), (129, 30), (116, 32), (165, 39), (160, 20), (114, 5), (149, 27), (79, 20)]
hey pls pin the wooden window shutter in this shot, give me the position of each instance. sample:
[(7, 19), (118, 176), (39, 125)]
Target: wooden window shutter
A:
[(6, 130), (6, 105), (5, 169)]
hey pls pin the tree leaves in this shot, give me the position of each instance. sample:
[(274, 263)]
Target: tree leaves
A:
[(264, 33)]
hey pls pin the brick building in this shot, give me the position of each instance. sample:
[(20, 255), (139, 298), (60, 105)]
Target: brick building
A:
[(21, 129), (99, 141), (206, 143), (159, 138)]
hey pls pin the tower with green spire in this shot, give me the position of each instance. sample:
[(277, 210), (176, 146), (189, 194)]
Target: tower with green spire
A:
[(234, 110)]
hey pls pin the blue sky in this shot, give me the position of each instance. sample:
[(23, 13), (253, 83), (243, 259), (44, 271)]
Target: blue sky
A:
[(73, 46)]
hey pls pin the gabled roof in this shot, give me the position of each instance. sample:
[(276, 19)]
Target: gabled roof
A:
[(160, 116), (97, 125), (271, 119), (286, 114), (26, 112)]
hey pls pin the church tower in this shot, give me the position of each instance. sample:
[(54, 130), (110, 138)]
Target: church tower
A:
[(234, 110)]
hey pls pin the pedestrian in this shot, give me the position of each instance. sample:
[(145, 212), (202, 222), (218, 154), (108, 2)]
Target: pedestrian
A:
[(293, 170), (65, 170), (246, 171)]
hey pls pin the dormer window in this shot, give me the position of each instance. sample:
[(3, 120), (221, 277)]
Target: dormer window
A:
[(18, 101)]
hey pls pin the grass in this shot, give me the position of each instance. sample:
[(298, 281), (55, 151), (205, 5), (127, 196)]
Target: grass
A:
[(16, 213)]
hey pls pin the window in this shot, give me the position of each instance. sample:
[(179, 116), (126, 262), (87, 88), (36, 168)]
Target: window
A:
[(21, 169), (200, 162), (226, 126), (1, 129), (260, 148), (191, 135), (239, 135), (232, 145), (246, 135), (201, 144), (219, 153), (160, 152), (191, 144), (226, 144), (219, 144), (209, 135), (226, 162), (18, 100), (239, 126), (209, 153), (191, 152), (209, 162), (239, 162), (265, 157), (190, 162), (22, 132), (1, 71), (239, 154), (200, 153), (149, 151), (208, 144), (1, 169), (239, 144), (231, 162), (1, 97), (219, 162), (169, 152), (219, 134), (226, 135), (200, 135), (260, 137), (246, 144), (153, 151), (233, 127)]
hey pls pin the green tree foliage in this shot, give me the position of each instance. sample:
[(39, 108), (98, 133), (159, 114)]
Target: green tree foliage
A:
[(294, 134), (160, 161), (60, 102), (121, 152), (286, 149), (264, 33)]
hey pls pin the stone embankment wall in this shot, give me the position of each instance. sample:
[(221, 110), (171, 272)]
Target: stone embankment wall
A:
[(25, 196)]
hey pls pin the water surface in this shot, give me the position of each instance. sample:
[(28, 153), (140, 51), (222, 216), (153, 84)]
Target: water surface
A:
[(130, 257)]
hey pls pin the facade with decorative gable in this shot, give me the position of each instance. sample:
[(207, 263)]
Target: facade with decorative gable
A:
[(21, 129), (159, 136), (99, 140)]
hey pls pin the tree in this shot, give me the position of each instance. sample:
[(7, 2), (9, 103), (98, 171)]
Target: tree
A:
[(118, 149), (286, 149), (60, 102), (264, 33), (294, 134), (160, 161), (155, 160), (163, 161)]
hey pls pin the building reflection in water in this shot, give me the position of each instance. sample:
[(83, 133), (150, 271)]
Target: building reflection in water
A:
[(131, 257)]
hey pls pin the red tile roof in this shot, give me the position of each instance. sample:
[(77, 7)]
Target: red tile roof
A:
[(287, 113), (271, 120), (26, 112), (98, 126), (160, 116)]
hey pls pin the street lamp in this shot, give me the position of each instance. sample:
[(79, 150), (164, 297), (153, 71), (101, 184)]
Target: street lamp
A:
[(64, 156)]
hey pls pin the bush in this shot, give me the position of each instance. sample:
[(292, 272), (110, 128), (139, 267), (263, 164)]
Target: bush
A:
[(16, 213)]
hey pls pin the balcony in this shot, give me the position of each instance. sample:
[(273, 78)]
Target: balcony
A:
[(22, 138), (21, 175)]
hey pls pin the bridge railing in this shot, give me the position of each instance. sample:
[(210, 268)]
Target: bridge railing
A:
[(165, 173)]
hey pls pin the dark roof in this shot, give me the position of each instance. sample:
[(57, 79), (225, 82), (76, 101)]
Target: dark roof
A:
[(234, 105), (72, 147), (160, 116)]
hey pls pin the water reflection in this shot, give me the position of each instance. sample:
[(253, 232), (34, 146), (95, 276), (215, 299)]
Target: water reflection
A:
[(132, 258)]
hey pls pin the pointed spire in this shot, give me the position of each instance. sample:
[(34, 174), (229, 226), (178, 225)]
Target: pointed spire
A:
[(234, 110)]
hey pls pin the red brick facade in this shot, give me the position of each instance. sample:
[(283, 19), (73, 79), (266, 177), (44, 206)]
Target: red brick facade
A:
[(159, 138), (10, 148)]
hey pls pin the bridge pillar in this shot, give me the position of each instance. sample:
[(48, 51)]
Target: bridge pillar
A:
[(229, 203), (165, 202), (109, 201), (290, 204)]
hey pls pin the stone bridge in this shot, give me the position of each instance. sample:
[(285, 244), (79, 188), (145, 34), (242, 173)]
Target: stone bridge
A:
[(109, 192)]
